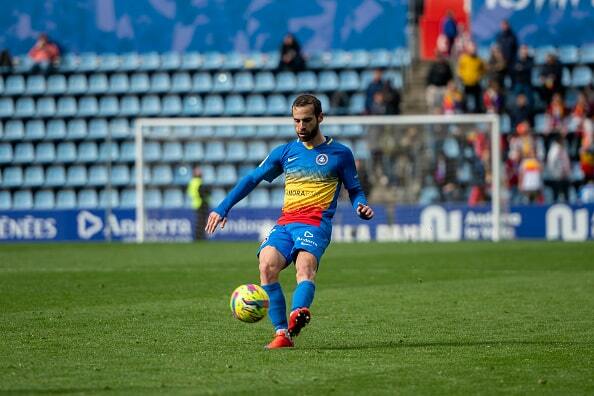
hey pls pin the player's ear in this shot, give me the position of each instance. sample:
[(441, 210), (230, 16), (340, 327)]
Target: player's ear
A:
[(320, 118)]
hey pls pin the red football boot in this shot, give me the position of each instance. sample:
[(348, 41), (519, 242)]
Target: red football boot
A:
[(281, 340), (298, 319)]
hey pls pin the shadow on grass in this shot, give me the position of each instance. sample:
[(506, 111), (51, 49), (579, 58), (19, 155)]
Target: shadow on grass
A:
[(450, 344)]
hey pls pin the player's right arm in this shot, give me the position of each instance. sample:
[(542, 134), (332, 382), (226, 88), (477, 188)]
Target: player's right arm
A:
[(268, 170)]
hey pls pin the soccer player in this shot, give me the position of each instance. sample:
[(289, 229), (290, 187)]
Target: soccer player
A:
[(314, 168)]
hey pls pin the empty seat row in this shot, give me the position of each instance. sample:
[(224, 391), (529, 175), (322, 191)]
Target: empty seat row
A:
[(57, 129), (184, 82), (579, 77)]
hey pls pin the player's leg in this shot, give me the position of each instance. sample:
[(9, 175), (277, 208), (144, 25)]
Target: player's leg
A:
[(306, 266)]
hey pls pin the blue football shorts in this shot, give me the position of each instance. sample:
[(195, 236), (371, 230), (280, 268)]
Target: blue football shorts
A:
[(289, 239)]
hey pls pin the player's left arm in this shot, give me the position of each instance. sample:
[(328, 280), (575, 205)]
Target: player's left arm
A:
[(350, 179)]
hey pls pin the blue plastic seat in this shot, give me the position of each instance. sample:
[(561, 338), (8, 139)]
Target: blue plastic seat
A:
[(401, 57), (153, 198), (236, 151), (46, 107), (193, 152), (218, 194), (264, 82), (540, 53), (108, 106), (152, 152), (361, 150), (109, 198), (6, 153), (44, 200), (359, 59), (172, 105), (182, 175), (119, 127), (34, 176), (328, 81), (139, 83), (5, 200), (88, 62), (109, 63), (209, 175), (581, 76), (14, 85), (352, 130), (77, 84), (118, 83), (256, 151), (87, 106), (191, 61), (22, 200), (87, 152), (259, 198), (255, 105), (172, 152), (34, 130), (339, 59), (204, 131), (12, 176), (243, 82), (129, 106), (568, 54), (66, 152), (97, 128), (270, 60), (76, 176), (66, 106), (24, 153), (76, 129), (109, 151), (170, 61), (587, 54), (214, 151), (173, 198), (98, 84), (66, 199), (24, 65), (224, 131), (150, 61), (202, 82), (233, 61), (160, 83), (25, 107), (277, 197), (56, 130), (55, 176), (14, 130), (129, 62), (6, 107), (162, 175), (307, 81), (192, 105), (213, 61), (286, 82), (276, 104), (349, 80), (234, 105), (35, 85), (181, 82), (128, 198), (127, 151), (357, 104), (222, 83), (214, 105), (226, 175), (69, 63), (87, 198), (56, 84), (97, 175), (120, 175), (267, 131), (150, 105)]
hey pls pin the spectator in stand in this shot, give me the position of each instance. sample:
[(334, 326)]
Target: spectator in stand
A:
[(579, 120), (378, 104), (551, 75), (291, 58), (556, 115), (522, 111), (452, 102), (471, 69), (463, 40), (508, 43), (440, 73), (449, 30), (45, 54), (5, 61), (496, 66), (587, 153), (493, 98), (558, 168), (522, 73), (530, 178), (444, 174), (390, 98)]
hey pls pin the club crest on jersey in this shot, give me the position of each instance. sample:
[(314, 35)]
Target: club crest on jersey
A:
[(322, 159)]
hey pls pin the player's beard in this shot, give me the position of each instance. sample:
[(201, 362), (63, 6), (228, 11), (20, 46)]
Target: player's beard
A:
[(308, 136)]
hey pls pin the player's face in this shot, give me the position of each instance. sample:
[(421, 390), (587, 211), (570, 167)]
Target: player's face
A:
[(307, 125)]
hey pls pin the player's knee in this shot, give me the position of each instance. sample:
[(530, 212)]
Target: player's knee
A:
[(270, 266), (306, 267)]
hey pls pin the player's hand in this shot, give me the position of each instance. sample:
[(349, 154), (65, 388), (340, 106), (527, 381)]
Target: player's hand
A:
[(214, 219), (364, 212)]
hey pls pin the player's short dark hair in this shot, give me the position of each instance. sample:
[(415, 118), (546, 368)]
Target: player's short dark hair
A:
[(306, 100)]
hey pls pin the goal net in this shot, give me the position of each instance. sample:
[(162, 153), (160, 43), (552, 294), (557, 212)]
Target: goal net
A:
[(429, 177)]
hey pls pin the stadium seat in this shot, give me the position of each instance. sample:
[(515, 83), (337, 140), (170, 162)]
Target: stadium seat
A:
[(55, 176), (338, 59), (236, 151), (66, 106), (192, 105), (214, 151), (109, 151), (540, 123), (288, 131), (349, 80), (108, 63), (218, 194), (172, 152), (22, 200), (129, 62), (395, 78), (451, 148), (173, 198), (276, 104), (24, 64), (5, 200), (14, 85), (243, 82), (34, 130), (203, 131), (69, 63), (160, 83), (233, 61), (264, 82), (5, 153), (88, 62), (128, 198), (568, 54), (77, 84), (109, 198), (87, 198), (6, 107), (98, 129), (127, 152), (224, 131), (226, 175), (12, 176), (24, 153), (213, 61), (256, 151), (429, 195), (193, 152), (540, 53), (118, 84), (87, 106), (208, 174), (153, 198), (255, 105), (76, 176), (352, 130), (358, 59), (66, 199), (56, 84), (152, 151), (108, 106), (581, 76), (56, 130), (87, 152), (245, 131), (44, 200), (357, 104), (214, 105), (191, 61), (259, 198), (66, 152), (181, 82), (162, 175), (35, 85), (76, 129), (286, 82), (172, 105), (119, 127), (170, 61), (270, 60), (129, 106), (150, 105), (266, 131), (98, 84), (307, 81), (328, 81), (120, 175), (234, 105), (150, 61), (202, 82), (587, 54), (34, 176), (25, 107), (139, 83), (222, 83), (46, 107), (182, 175)]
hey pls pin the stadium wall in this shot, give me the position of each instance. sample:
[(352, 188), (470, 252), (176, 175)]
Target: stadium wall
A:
[(109, 26), (400, 223)]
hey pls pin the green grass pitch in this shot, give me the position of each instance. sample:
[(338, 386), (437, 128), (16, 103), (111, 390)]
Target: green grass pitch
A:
[(468, 318)]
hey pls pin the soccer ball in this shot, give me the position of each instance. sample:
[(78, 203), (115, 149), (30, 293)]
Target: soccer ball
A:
[(249, 303)]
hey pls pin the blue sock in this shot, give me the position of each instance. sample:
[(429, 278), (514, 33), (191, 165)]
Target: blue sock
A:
[(278, 308), (303, 294)]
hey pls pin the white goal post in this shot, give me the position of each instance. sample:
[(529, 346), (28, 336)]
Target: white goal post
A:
[(141, 125)]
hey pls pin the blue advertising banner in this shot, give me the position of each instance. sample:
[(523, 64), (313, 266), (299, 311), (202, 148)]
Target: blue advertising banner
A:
[(536, 22), (404, 223), (223, 25)]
